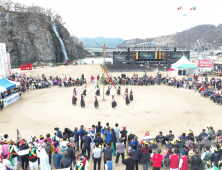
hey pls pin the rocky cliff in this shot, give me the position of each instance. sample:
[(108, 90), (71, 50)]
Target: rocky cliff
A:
[(29, 37)]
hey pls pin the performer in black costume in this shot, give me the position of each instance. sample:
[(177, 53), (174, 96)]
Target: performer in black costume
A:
[(74, 91), (118, 91), (108, 91), (126, 91), (96, 103), (84, 92), (114, 104), (131, 95), (98, 91), (82, 101), (74, 99), (127, 99)]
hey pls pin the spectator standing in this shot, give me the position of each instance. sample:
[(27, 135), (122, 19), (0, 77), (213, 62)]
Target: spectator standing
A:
[(97, 156), (76, 138), (174, 160), (120, 151), (71, 154), (81, 133), (65, 162), (157, 160), (129, 162), (107, 152), (56, 159), (86, 140)]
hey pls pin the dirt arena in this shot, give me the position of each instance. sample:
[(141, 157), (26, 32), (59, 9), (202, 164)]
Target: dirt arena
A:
[(155, 108)]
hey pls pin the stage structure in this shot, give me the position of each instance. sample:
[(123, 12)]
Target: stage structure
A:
[(149, 52), (5, 63)]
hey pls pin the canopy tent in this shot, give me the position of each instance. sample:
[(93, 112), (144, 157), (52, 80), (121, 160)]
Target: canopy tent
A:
[(184, 67), (16, 83), (6, 84), (200, 58), (2, 89)]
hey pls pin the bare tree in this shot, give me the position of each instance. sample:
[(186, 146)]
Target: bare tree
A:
[(7, 4)]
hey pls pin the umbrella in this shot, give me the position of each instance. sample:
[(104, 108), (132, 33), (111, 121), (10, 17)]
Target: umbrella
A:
[(65, 61), (171, 69), (74, 60)]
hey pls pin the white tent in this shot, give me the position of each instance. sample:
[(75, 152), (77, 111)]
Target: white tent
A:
[(184, 67), (200, 58)]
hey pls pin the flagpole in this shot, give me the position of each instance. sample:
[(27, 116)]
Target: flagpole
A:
[(104, 48)]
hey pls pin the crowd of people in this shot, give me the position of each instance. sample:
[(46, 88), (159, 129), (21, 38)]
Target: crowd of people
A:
[(75, 148)]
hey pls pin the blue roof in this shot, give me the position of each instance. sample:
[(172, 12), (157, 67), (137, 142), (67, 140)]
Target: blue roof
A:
[(6, 84)]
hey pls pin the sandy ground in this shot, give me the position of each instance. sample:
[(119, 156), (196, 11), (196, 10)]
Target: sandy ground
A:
[(155, 108)]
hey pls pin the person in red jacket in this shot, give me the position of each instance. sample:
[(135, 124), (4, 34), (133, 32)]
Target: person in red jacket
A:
[(183, 165), (174, 160), (157, 160)]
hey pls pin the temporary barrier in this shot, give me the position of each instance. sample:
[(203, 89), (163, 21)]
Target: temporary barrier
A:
[(27, 67)]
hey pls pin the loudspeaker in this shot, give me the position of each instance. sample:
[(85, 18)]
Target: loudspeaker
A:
[(175, 49), (184, 72)]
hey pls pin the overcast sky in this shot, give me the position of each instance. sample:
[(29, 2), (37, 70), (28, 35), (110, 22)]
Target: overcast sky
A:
[(129, 19)]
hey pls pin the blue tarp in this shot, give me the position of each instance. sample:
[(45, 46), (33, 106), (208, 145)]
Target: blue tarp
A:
[(6, 84)]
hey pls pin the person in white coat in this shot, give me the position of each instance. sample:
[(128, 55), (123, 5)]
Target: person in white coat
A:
[(116, 130), (7, 163), (44, 159)]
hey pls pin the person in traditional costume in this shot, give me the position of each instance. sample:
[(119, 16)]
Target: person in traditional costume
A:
[(5, 147), (108, 91), (41, 140), (114, 104), (33, 160), (127, 99), (24, 158), (96, 103), (74, 99), (7, 163), (13, 154), (74, 91), (44, 159), (131, 95), (84, 91), (126, 91), (98, 91), (118, 91), (82, 159), (206, 156), (82, 102)]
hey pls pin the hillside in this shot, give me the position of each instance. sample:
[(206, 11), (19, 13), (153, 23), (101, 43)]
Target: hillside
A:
[(29, 37), (99, 41), (206, 33)]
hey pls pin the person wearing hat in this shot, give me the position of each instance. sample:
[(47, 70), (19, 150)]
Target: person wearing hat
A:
[(33, 161), (183, 164), (153, 145), (190, 135), (44, 159), (202, 135), (66, 161), (123, 135), (71, 154), (179, 144), (56, 158), (5, 147), (41, 139), (157, 160)]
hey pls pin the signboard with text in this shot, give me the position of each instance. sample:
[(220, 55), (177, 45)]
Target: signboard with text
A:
[(205, 63)]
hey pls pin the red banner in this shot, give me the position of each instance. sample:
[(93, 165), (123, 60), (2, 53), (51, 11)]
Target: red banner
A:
[(205, 63)]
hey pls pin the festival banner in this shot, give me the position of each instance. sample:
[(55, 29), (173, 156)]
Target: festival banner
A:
[(8, 63), (11, 99), (137, 55), (2, 48), (205, 63)]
